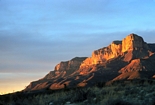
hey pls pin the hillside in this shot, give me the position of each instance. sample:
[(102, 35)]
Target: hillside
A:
[(131, 58)]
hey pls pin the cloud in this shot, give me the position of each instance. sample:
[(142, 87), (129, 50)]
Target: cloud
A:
[(36, 35)]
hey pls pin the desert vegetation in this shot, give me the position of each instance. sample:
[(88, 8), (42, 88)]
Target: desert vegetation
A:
[(134, 92)]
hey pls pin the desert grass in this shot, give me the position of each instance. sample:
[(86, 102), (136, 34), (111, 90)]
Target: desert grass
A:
[(137, 92)]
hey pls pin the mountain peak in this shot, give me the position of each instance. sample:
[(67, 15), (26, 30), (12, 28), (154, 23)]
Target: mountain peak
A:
[(132, 42)]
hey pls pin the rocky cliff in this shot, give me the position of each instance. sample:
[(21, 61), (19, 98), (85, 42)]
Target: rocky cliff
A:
[(65, 68), (61, 70), (131, 47), (130, 58)]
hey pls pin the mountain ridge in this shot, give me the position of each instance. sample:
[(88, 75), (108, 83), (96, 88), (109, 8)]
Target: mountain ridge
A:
[(126, 59)]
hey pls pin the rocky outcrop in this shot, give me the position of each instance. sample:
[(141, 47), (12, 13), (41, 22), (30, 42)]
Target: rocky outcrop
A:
[(133, 42), (106, 53), (62, 70), (65, 68), (130, 58), (131, 47), (138, 68), (139, 65)]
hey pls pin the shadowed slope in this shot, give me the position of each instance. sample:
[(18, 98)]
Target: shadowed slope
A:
[(130, 58)]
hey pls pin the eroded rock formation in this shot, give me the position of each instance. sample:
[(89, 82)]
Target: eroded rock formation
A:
[(131, 47), (130, 58), (65, 68)]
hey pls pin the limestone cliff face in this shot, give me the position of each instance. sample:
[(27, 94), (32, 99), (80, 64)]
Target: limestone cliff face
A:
[(72, 64), (62, 70), (104, 54), (130, 58), (138, 68), (62, 66), (135, 65), (131, 47), (133, 42), (112, 51), (65, 68)]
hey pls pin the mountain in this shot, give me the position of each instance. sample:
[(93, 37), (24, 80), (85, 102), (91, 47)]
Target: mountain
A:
[(131, 58)]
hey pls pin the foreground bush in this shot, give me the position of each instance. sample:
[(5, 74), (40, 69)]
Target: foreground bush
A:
[(118, 93)]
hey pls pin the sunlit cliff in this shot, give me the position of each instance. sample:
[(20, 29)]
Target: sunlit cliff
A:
[(130, 58)]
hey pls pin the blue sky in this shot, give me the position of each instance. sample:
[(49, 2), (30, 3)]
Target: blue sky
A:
[(35, 35)]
